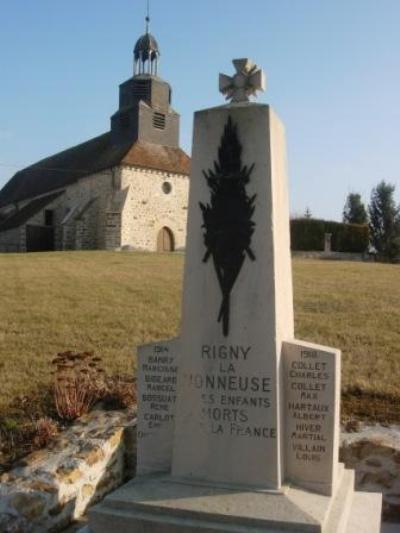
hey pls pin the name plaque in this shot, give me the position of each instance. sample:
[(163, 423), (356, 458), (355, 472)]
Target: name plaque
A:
[(312, 378), (157, 375)]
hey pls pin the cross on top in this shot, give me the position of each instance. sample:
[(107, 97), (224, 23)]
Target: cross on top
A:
[(245, 83)]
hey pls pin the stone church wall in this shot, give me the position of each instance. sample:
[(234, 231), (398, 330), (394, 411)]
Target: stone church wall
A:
[(57, 206), (86, 237), (13, 240), (123, 206), (112, 230), (155, 200), (85, 231)]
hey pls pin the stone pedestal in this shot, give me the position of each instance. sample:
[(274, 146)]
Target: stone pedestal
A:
[(163, 505)]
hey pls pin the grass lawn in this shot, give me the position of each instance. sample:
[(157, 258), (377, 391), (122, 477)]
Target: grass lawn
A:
[(110, 302)]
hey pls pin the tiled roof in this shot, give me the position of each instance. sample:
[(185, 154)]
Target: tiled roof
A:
[(157, 157), (62, 169)]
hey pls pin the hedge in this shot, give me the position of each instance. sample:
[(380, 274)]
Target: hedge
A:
[(308, 234)]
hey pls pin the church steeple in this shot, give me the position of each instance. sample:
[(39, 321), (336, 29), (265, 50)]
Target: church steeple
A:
[(145, 112), (146, 52)]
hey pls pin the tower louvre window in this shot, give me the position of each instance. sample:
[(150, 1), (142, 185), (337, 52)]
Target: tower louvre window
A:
[(141, 90), (159, 121)]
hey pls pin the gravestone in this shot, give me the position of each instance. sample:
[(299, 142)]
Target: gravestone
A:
[(327, 243), (238, 422)]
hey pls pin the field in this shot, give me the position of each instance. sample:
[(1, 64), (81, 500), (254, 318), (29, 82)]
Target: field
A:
[(111, 302)]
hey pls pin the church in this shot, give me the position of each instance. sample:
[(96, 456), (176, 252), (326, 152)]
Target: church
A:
[(125, 189)]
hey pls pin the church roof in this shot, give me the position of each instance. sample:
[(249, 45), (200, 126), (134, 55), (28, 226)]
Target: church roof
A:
[(157, 157), (64, 168)]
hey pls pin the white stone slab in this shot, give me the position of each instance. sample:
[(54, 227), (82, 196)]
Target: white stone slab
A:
[(156, 382), (227, 427), (311, 415), (365, 514), (160, 505)]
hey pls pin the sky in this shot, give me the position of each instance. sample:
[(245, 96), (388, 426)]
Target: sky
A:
[(332, 67)]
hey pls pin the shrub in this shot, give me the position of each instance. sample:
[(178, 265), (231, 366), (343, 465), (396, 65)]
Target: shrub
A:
[(20, 435), (308, 235), (78, 383), (45, 429), (353, 238), (121, 392)]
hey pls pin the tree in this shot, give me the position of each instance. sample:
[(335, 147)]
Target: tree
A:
[(354, 211), (307, 213), (384, 222)]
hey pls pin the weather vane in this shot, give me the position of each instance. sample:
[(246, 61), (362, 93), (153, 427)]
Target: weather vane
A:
[(249, 79), (148, 16)]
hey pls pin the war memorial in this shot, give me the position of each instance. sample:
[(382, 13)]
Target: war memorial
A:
[(238, 421)]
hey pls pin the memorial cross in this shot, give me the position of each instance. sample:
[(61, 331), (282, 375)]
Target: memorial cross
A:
[(249, 79)]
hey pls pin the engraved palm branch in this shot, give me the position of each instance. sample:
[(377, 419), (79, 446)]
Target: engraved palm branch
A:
[(227, 219)]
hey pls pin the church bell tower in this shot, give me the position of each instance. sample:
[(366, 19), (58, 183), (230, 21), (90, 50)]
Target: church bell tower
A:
[(145, 113)]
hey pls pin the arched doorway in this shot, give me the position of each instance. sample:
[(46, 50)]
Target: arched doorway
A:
[(165, 240)]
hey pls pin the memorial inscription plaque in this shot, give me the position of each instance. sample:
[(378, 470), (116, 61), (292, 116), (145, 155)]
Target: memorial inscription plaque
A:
[(312, 399), (157, 374)]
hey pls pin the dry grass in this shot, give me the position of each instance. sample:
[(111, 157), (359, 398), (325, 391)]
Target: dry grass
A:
[(354, 307), (110, 302)]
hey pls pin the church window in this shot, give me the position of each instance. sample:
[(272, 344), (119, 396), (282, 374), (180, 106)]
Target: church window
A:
[(48, 217), (159, 121), (166, 187)]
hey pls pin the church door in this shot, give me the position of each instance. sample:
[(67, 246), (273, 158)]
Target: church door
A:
[(165, 240), (39, 238)]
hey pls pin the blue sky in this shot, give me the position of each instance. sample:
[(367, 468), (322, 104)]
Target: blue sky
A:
[(333, 75)]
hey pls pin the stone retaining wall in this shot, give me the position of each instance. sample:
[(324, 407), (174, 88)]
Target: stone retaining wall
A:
[(374, 453), (52, 487)]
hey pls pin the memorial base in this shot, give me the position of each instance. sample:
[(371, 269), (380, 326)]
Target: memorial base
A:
[(159, 504)]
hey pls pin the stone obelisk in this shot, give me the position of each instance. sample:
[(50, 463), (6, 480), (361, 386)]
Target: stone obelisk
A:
[(237, 297)]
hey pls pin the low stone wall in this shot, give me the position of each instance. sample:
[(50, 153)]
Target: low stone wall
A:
[(336, 256), (374, 453), (52, 487)]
